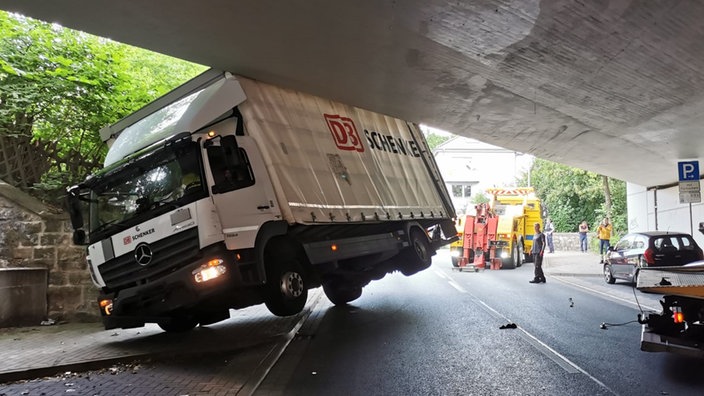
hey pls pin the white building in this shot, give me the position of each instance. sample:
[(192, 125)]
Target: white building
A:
[(469, 167), (660, 209)]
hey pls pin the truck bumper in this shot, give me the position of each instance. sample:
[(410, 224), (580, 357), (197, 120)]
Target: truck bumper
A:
[(652, 342), (177, 293)]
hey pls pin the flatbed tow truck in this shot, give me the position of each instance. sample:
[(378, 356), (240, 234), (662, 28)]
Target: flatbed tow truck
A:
[(679, 328)]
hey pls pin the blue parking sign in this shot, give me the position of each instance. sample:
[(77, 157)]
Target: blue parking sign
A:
[(688, 170)]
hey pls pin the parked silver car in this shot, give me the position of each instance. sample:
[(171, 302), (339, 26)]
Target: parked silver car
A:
[(649, 249)]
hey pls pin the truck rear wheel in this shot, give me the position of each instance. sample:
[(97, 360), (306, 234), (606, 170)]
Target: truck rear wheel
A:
[(340, 294), (286, 291), (417, 256)]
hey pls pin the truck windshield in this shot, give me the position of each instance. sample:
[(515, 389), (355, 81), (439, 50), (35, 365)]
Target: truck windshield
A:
[(144, 188)]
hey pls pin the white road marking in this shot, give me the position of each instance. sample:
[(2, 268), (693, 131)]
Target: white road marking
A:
[(542, 347), (606, 295), (457, 286), (545, 349), (256, 379), (441, 274)]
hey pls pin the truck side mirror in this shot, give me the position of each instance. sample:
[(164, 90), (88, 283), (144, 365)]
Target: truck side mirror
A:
[(74, 208), (73, 203), (231, 151), (79, 237)]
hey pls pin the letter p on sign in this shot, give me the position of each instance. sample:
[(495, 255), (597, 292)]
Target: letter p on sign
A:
[(688, 170)]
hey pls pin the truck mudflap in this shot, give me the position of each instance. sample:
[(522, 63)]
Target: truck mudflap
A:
[(653, 342)]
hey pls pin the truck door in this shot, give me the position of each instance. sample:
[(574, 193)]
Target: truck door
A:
[(241, 190)]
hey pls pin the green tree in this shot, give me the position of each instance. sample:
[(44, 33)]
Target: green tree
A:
[(479, 197), (434, 140), (570, 195), (58, 87)]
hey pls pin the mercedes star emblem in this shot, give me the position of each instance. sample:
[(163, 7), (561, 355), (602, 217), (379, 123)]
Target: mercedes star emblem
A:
[(143, 254)]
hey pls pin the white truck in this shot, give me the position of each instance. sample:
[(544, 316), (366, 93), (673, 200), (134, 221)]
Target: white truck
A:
[(229, 192)]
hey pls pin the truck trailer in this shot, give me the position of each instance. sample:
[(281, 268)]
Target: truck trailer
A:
[(230, 192)]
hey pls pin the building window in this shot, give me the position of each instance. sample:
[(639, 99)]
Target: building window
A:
[(461, 191)]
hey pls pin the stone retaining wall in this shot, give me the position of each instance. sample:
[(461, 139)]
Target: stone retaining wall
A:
[(569, 241), (33, 235)]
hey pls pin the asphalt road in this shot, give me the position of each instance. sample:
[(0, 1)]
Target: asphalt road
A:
[(439, 333), (435, 333)]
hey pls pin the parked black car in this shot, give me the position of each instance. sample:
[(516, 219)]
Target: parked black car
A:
[(649, 249)]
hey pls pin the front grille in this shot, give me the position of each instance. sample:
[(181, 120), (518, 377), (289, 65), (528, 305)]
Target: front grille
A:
[(169, 254)]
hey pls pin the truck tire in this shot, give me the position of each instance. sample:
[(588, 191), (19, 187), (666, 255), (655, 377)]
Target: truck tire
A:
[(455, 261), (417, 256), (178, 324), (286, 291), (340, 294), (519, 254), (513, 259)]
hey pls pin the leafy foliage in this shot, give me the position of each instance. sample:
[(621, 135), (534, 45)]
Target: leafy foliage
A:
[(434, 140), (479, 197), (58, 87), (571, 195)]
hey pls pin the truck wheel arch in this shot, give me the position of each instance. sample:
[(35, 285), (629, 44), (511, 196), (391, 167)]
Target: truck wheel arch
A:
[(267, 231), (277, 232)]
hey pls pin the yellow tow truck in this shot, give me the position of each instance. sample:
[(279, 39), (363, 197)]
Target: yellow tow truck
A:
[(517, 209)]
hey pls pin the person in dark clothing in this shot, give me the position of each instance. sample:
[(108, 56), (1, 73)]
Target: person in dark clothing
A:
[(549, 229), (537, 252)]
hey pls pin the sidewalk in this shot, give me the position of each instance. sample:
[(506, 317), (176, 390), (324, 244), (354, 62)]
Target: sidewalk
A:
[(33, 352), (572, 263)]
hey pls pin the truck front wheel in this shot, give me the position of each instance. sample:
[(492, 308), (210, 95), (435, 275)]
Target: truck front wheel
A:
[(286, 288)]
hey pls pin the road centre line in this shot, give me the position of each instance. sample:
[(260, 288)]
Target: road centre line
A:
[(450, 281), (441, 274), (457, 286)]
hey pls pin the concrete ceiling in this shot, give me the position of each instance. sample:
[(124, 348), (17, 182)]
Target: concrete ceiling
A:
[(612, 86)]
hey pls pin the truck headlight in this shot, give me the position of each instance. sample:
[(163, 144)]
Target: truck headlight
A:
[(455, 252), (504, 254), (210, 270), (106, 306)]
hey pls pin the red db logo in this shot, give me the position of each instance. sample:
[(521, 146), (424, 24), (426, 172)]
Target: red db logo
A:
[(344, 132), (127, 240)]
